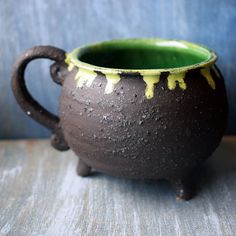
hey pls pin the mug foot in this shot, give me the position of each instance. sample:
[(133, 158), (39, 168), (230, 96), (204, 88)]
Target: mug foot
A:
[(183, 188), (83, 169), (59, 143)]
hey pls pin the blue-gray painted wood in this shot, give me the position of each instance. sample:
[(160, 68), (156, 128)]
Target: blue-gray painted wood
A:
[(69, 24), (41, 195)]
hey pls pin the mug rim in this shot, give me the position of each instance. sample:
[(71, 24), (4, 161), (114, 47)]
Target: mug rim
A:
[(72, 58)]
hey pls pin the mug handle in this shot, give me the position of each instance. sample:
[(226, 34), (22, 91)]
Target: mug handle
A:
[(29, 105)]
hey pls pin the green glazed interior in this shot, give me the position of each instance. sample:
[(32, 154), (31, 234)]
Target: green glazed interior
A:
[(145, 54)]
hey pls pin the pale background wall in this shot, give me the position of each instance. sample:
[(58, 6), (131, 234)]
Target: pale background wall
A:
[(69, 24)]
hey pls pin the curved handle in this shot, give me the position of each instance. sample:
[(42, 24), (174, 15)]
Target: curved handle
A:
[(30, 106)]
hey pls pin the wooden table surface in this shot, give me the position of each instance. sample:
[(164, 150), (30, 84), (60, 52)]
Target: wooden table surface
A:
[(40, 194)]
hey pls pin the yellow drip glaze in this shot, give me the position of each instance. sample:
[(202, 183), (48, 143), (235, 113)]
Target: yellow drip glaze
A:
[(112, 80), (85, 77), (150, 81), (207, 74), (68, 61), (173, 79), (70, 67)]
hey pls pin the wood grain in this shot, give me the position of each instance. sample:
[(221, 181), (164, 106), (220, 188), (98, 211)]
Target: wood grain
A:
[(41, 195), (72, 23)]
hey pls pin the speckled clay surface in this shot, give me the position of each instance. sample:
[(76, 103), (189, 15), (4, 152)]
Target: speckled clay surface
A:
[(139, 123)]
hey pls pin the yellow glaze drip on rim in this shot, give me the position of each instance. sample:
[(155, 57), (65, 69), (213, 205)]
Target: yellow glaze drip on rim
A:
[(173, 79), (86, 74), (112, 80), (207, 74), (69, 60), (150, 82), (85, 77)]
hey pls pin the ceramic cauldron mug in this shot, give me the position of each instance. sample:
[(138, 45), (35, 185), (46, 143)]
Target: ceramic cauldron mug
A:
[(137, 108)]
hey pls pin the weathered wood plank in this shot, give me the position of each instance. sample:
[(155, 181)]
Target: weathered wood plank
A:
[(40, 194)]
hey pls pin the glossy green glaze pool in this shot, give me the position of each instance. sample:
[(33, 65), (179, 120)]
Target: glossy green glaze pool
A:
[(143, 54)]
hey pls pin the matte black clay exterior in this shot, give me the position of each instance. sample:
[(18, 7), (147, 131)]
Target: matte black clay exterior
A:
[(124, 133)]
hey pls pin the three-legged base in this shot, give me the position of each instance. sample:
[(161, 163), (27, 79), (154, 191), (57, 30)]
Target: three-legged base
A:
[(83, 169), (183, 186)]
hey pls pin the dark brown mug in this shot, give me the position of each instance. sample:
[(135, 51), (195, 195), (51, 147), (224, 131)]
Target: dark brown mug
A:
[(137, 108)]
